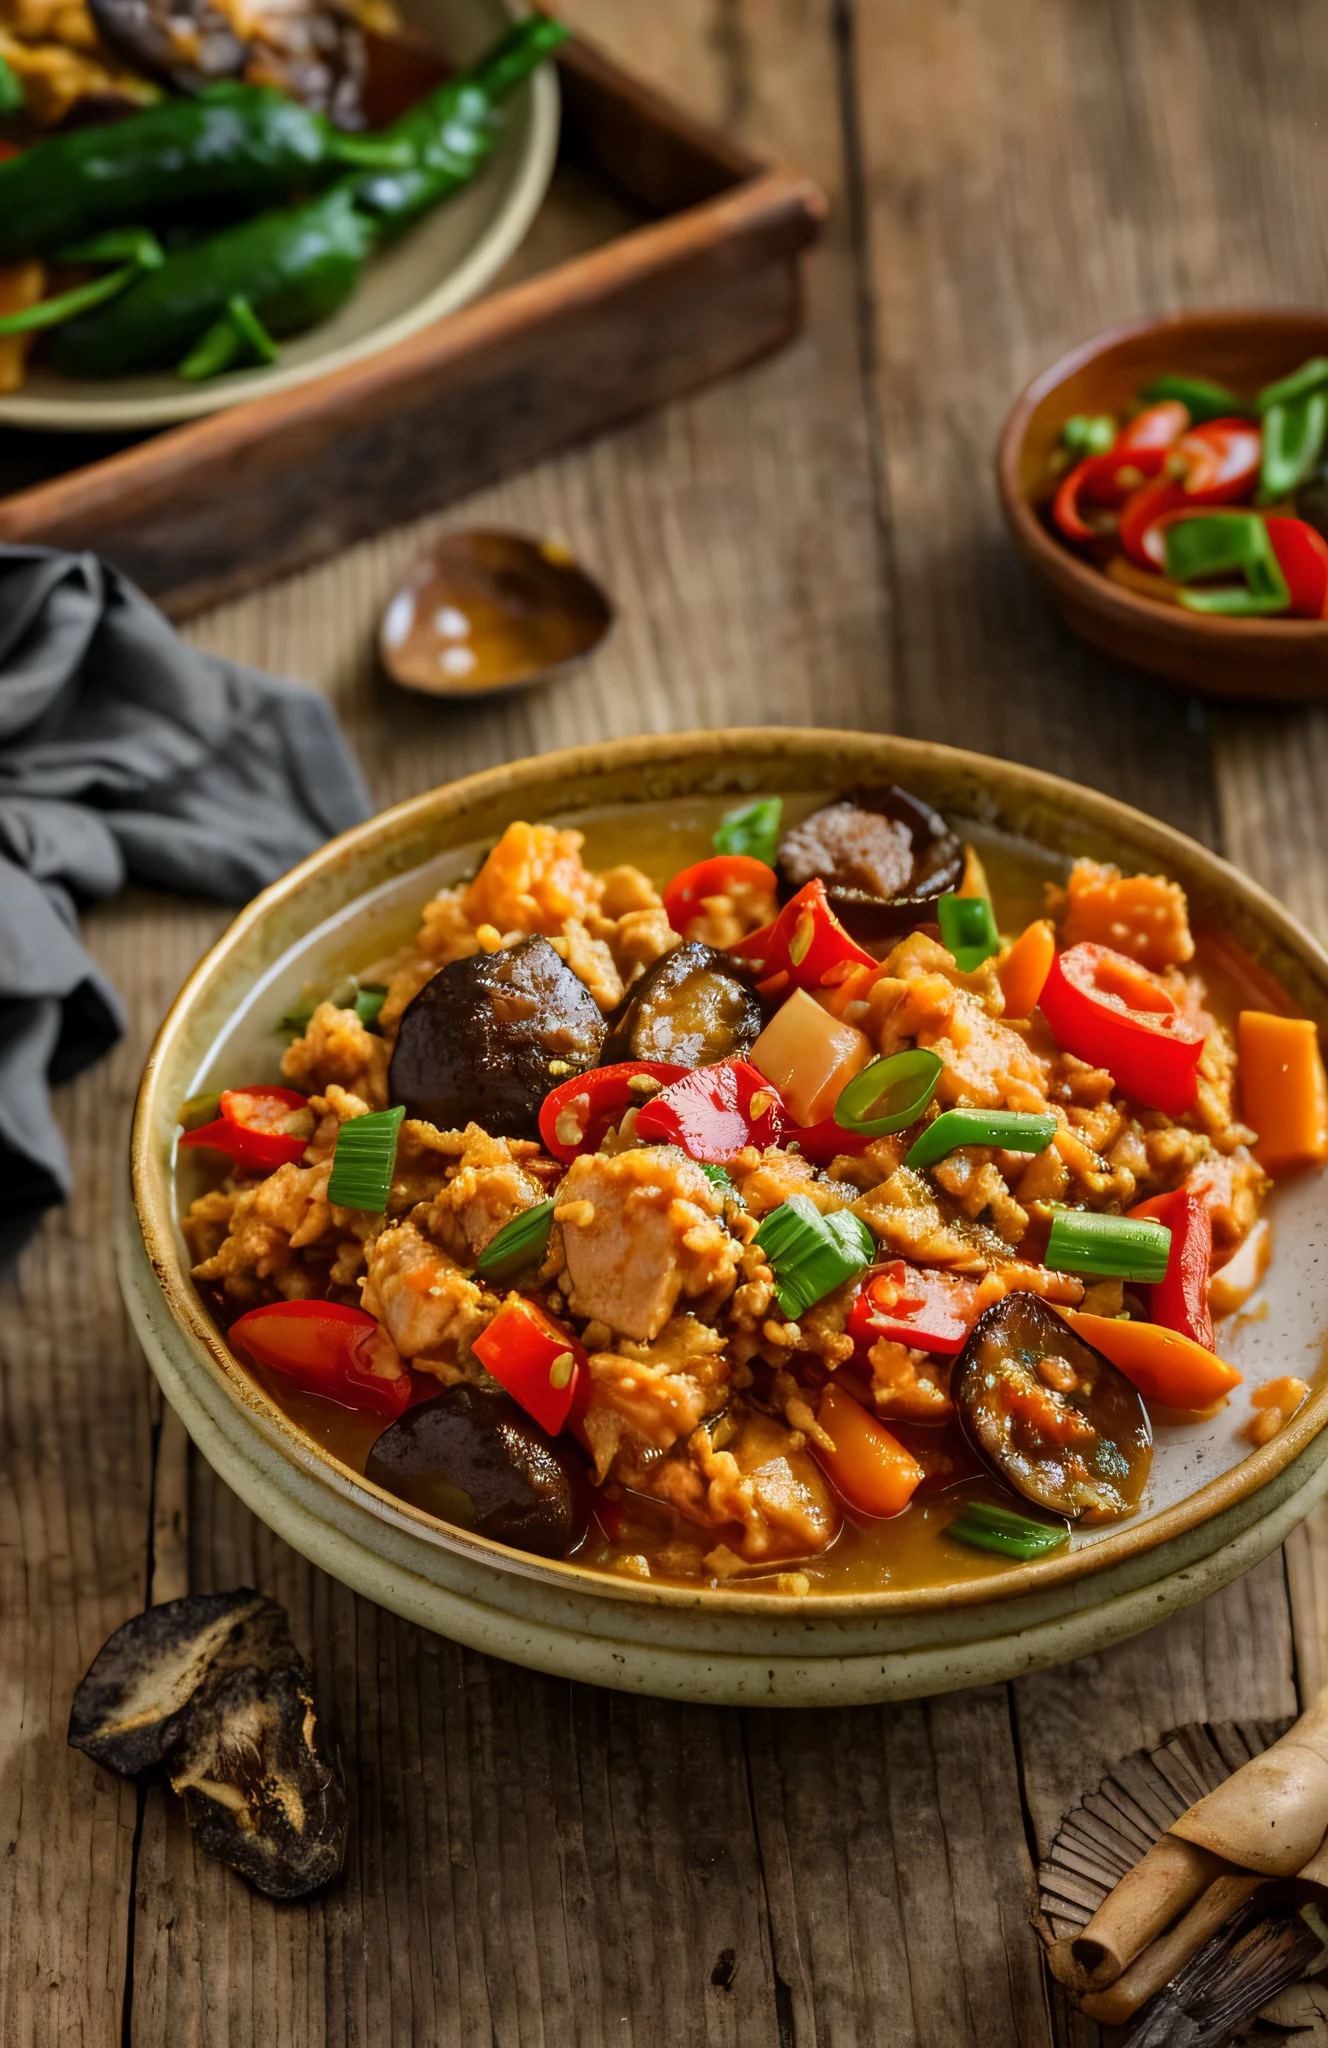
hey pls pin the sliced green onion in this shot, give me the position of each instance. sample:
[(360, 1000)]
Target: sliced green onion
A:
[(1010, 1130), (889, 1094), (809, 1254), (968, 930), (1118, 1247), (199, 1110), (11, 89), (518, 1245), (1088, 434), (1311, 376), (1201, 397), (365, 1158), (753, 830), (991, 1528), (1293, 438), (368, 1002)]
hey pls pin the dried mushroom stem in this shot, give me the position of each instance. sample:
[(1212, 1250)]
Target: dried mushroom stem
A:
[(1159, 1963), (1145, 1902)]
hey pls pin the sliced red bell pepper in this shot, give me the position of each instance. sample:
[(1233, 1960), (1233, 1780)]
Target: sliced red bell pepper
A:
[(1302, 556), (914, 1305), (1157, 426), (538, 1361), (1106, 480), (248, 1128), (1180, 1301), (686, 893), (1222, 460), (824, 1141), (326, 1348), (713, 1112), (594, 1103), (806, 946), (1139, 532), (1109, 1011)]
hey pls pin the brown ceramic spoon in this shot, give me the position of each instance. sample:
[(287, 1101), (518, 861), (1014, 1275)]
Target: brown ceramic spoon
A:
[(487, 610)]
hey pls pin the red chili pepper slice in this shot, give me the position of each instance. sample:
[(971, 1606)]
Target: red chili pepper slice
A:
[(1144, 516), (914, 1305), (1113, 1013), (1106, 479), (539, 1361), (1180, 1301), (1157, 426), (713, 1112), (248, 1128), (1302, 556), (822, 1142), (594, 1103), (326, 1348), (1222, 460), (806, 946), (686, 893)]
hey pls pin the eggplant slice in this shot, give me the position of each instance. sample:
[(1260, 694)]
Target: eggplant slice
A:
[(1054, 1418), (310, 50), (474, 1458), (489, 1037), (693, 1006), (886, 859), (213, 1687)]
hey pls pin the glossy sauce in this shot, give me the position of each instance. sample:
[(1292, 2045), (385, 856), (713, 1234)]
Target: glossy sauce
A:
[(911, 1550)]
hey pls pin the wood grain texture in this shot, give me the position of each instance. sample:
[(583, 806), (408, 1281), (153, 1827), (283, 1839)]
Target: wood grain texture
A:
[(817, 542)]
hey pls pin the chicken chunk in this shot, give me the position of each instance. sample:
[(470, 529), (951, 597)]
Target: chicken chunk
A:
[(765, 1492), (648, 1396), (778, 1174), (430, 1310), (641, 1230), (486, 1188)]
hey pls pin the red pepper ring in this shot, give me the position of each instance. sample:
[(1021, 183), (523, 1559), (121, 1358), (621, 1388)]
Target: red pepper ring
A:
[(914, 1305), (1144, 516), (806, 947), (1302, 556), (1109, 1011), (685, 895), (715, 1112), (248, 1128), (1179, 1301), (607, 1098), (325, 1347), (1222, 460), (1106, 479), (539, 1362), (1157, 426)]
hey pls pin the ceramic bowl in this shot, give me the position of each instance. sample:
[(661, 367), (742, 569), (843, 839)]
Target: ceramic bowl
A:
[(441, 264), (1215, 1506), (1285, 660)]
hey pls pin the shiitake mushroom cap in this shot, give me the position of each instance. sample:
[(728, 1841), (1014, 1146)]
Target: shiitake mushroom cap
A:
[(313, 52), (213, 1688), (1085, 1452), (692, 1006), (885, 856), (488, 1037), (473, 1457)]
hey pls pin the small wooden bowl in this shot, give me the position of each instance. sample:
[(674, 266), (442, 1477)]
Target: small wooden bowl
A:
[(1285, 660)]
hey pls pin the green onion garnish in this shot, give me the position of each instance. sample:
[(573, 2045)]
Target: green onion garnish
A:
[(368, 1002), (1088, 434), (1011, 1130), (753, 830), (889, 1094), (1119, 1247), (1311, 376), (364, 1160), (199, 1110), (518, 1245), (810, 1254), (968, 930), (992, 1528)]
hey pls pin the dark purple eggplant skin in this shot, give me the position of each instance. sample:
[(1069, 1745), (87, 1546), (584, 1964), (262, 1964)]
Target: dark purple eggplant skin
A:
[(693, 1006), (1098, 1480), (870, 917), (480, 1039), (474, 1458)]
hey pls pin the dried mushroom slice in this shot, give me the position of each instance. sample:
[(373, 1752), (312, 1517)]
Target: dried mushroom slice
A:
[(213, 1688)]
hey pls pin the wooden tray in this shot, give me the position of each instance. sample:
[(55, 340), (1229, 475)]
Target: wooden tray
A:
[(699, 275)]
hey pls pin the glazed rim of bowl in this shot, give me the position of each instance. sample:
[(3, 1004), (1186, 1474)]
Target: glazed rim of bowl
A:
[(739, 762), (1078, 578)]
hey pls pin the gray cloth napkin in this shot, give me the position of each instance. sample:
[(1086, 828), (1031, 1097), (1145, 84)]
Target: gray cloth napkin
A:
[(125, 755)]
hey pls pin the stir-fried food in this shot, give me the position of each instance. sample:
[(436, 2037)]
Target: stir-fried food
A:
[(695, 1230)]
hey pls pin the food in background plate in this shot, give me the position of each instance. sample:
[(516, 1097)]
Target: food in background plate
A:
[(658, 1222), (1202, 498)]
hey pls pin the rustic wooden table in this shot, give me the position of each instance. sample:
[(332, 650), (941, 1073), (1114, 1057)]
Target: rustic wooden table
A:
[(533, 1862)]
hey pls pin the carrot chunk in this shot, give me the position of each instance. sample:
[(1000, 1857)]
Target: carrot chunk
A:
[(868, 1466), (1284, 1093), (1022, 971), (1163, 1365)]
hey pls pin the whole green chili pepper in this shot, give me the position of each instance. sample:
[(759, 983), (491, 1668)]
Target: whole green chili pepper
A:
[(244, 140), (295, 265)]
